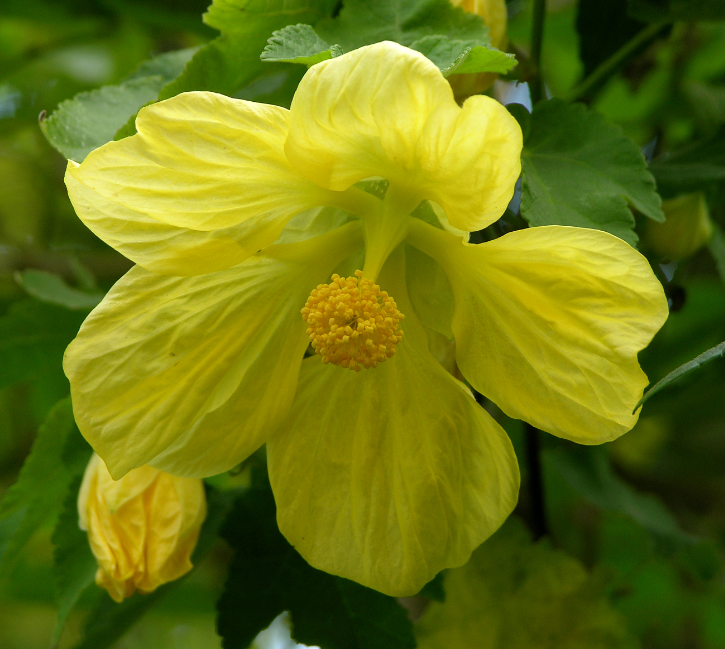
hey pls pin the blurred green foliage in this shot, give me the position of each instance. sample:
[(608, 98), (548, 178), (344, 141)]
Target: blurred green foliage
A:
[(644, 515)]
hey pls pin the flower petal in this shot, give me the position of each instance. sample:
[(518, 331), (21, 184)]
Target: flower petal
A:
[(548, 322), (191, 374), (206, 162), (391, 474), (385, 110)]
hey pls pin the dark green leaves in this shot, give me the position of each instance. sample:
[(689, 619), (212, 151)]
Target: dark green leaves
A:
[(672, 10), (588, 472), (268, 576), (692, 166), (58, 454), (73, 562), (33, 337), (298, 44), (579, 170), (711, 354), (91, 119)]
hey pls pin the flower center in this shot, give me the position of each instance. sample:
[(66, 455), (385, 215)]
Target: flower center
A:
[(352, 323)]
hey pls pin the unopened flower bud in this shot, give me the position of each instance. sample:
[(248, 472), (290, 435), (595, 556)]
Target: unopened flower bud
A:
[(686, 229), (493, 13), (142, 528)]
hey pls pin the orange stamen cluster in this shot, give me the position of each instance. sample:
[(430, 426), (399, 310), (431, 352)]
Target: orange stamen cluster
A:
[(352, 323)]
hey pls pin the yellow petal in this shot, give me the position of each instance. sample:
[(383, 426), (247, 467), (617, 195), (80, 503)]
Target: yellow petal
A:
[(164, 248), (191, 374), (548, 322), (385, 110), (201, 161), (391, 474)]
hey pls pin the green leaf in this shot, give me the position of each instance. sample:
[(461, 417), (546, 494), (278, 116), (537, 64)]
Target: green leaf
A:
[(673, 10), (37, 495), (692, 167), (232, 61), (33, 337), (463, 57), (717, 250), (109, 621), (92, 118), (515, 594), (588, 472), (682, 370), (298, 44), (363, 22), (434, 589), (74, 565), (267, 576), (580, 170), (52, 289)]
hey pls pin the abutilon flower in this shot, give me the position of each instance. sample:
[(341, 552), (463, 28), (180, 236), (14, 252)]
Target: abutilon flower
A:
[(248, 223), (142, 528)]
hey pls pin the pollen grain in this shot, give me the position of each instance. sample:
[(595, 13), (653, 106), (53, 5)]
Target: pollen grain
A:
[(352, 323)]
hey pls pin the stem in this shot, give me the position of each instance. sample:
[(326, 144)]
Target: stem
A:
[(536, 483), (610, 66), (536, 83)]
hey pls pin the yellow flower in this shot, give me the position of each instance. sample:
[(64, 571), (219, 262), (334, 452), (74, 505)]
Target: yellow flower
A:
[(142, 528), (686, 229), (494, 15), (194, 359)]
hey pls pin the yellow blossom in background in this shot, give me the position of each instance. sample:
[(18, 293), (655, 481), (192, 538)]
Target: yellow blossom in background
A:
[(514, 594), (494, 15), (255, 238), (142, 528), (687, 227)]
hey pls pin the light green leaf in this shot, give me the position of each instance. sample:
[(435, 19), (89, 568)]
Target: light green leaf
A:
[(515, 594), (580, 170), (588, 472), (33, 337), (51, 288), (43, 482), (298, 44), (711, 354), (363, 22), (74, 565), (463, 57), (232, 61), (91, 119)]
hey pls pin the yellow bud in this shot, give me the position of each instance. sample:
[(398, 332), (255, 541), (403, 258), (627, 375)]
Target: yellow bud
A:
[(686, 229), (142, 528), (493, 13)]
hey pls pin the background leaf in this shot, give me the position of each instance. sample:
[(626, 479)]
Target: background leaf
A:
[(58, 454), (92, 118), (588, 472), (52, 289), (298, 44), (463, 57), (33, 337), (584, 175), (74, 565)]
